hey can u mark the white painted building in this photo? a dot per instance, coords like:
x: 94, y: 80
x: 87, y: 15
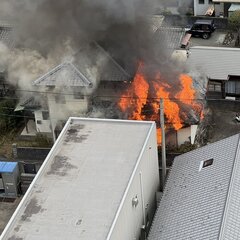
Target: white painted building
x: 201, y: 7
x: 65, y: 90
x: 98, y: 182
x: 187, y: 134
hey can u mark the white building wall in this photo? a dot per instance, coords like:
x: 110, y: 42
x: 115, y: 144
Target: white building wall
x: 187, y: 134
x: 62, y: 111
x: 200, y: 9
x: 42, y: 126
x: 130, y: 219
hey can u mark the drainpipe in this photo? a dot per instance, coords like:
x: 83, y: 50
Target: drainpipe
x: 163, y: 142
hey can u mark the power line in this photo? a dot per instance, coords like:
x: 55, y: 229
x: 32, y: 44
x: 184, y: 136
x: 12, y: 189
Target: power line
x: 115, y: 97
x: 24, y: 116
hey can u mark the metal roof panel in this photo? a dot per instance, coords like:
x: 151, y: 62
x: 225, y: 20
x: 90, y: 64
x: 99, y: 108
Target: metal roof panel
x: 215, y: 62
x: 7, y: 167
x: 194, y: 198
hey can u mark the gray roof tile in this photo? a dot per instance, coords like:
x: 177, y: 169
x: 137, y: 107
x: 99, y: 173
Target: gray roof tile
x: 92, y: 58
x: 170, y: 36
x: 65, y: 74
x: 194, y: 198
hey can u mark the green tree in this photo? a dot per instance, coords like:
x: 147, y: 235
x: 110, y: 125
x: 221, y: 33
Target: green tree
x: 234, y: 24
x: 8, y: 119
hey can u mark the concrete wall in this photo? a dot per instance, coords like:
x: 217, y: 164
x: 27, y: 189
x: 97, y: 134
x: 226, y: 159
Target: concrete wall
x: 30, y: 153
x: 143, y: 187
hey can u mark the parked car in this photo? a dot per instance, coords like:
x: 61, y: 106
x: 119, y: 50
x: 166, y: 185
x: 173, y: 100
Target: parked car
x: 202, y: 28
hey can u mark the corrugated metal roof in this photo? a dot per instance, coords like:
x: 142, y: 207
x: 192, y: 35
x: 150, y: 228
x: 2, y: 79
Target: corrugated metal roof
x: 7, y: 167
x: 195, y: 199
x: 65, y: 74
x: 215, y: 62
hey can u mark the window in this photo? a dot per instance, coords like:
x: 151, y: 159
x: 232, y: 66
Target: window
x: 60, y: 99
x: 210, y: 1
x: 206, y: 163
x: 196, y: 27
x: 45, y: 115
x: 200, y: 1
x: 214, y: 87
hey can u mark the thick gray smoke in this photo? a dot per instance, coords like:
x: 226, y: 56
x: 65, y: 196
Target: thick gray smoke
x: 120, y: 25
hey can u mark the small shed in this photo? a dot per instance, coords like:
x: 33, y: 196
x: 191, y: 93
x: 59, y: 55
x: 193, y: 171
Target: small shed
x: 9, y: 179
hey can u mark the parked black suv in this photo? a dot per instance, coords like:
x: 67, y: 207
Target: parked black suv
x: 203, y: 28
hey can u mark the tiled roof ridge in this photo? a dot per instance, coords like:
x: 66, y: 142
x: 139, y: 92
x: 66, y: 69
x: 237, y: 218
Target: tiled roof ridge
x: 57, y: 68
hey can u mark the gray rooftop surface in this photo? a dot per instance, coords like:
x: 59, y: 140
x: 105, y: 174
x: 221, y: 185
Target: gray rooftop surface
x: 202, y: 203
x: 215, y: 62
x: 170, y: 36
x: 6, y: 35
x: 78, y: 190
x: 98, y: 65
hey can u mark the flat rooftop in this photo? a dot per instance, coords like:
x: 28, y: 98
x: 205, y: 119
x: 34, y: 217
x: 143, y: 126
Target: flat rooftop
x: 79, y: 188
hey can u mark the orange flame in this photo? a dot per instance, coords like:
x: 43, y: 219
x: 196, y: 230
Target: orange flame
x: 135, y: 97
x: 141, y: 94
x: 171, y: 109
x: 187, y: 94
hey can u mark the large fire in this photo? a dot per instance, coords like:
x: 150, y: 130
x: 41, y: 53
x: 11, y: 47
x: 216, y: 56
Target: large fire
x: 141, y: 100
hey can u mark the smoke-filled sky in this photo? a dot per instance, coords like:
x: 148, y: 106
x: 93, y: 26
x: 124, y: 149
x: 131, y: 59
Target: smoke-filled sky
x: 51, y: 30
x: 43, y: 24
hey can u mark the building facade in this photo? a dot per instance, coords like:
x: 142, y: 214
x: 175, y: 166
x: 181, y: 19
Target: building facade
x: 98, y: 182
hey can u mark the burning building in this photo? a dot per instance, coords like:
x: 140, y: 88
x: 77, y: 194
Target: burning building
x: 141, y: 100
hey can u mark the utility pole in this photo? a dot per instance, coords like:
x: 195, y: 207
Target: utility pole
x: 163, y: 142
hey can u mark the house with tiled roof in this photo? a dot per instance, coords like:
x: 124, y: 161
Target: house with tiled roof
x: 91, y: 74
x: 221, y: 66
x: 65, y: 90
x: 201, y: 199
